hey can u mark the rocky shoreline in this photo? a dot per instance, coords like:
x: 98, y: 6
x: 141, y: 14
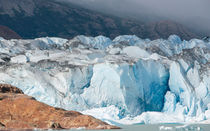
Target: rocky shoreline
x: 19, y: 111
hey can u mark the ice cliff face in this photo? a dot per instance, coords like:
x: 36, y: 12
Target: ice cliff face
x: 127, y: 79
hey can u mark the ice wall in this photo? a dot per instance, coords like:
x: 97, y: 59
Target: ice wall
x: 136, y: 77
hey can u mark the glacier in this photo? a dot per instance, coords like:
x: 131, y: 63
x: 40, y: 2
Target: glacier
x: 127, y: 80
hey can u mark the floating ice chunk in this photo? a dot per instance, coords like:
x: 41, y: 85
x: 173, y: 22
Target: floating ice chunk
x: 165, y: 128
x: 188, y: 127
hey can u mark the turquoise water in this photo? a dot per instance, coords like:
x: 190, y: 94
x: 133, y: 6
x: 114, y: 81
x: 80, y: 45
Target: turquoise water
x: 160, y: 127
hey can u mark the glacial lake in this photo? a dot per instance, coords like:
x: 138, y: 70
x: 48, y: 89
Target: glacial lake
x: 158, y: 127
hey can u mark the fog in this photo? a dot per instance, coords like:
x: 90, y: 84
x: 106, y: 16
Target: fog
x: 194, y: 14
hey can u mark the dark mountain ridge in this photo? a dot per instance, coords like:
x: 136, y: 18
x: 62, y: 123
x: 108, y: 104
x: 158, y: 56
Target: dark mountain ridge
x: 40, y: 18
x: 7, y: 33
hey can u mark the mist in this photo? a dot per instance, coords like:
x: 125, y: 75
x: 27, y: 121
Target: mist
x: 195, y: 14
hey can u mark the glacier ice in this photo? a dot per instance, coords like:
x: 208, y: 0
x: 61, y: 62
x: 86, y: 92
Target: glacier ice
x: 1, y: 38
x: 99, y: 42
x: 170, y: 103
x: 122, y: 81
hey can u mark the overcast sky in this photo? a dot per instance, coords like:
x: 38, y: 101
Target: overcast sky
x: 194, y: 13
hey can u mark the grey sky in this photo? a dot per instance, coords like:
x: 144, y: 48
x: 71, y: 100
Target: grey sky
x: 193, y: 13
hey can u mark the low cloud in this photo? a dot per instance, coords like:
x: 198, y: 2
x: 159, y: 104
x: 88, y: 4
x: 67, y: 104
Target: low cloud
x: 192, y: 13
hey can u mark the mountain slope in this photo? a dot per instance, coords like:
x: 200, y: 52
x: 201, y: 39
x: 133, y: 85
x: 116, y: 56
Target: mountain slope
x: 162, y: 29
x: 7, y: 33
x: 38, y: 18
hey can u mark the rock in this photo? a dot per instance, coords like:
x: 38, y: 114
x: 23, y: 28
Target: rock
x: 19, y: 111
x: 6, y: 88
x: 2, y: 125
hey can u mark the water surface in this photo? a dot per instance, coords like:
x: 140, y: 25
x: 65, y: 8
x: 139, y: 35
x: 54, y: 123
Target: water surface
x: 159, y: 127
